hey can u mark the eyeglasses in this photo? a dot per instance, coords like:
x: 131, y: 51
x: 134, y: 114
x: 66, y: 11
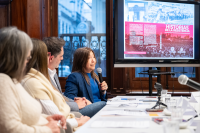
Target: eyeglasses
x: 49, y: 53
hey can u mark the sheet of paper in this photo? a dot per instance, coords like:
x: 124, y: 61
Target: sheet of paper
x: 198, y: 128
x: 180, y: 101
x: 184, y: 105
x: 123, y: 113
x: 190, y: 122
x: 144, y: 105
x: 149, y: 99
x: 193, y: 99
x: 116, y: 102
x: 191, y: 113
x: 191, y: 130
x: 121, y: 124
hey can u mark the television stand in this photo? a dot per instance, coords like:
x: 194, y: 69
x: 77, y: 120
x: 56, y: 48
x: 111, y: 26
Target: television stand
x: 158, y: 73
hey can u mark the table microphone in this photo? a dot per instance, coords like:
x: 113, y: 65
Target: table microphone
x: 99, y: 71
x: 184, y: 80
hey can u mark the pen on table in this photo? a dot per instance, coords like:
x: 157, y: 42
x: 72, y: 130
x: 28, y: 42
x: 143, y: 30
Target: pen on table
x: 192, y: 117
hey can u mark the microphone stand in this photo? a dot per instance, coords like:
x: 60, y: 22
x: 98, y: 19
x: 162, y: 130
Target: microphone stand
x: 158, y: 103
x: 159, y: 88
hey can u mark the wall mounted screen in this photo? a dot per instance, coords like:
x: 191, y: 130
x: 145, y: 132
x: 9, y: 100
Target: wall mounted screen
x: 156, y: 32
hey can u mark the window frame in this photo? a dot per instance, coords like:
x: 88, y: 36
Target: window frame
x: 54, y: 32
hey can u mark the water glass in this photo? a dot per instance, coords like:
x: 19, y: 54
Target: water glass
x: 171, y: 104
x: 177, y: 114
x: 171, y: 126
x: 167, y: 97
x: 164, y: 92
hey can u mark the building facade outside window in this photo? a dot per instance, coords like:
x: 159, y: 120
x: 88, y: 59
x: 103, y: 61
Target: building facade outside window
x: 82, y: 23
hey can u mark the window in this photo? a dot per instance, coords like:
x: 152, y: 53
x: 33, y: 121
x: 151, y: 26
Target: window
x: 141, y: 70
x: 86, y: 20
x: 188, y: 71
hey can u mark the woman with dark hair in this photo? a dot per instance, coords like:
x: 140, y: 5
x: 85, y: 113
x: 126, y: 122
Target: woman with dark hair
x: 20, y: 113
x: 38, y: 85
x: 83, y: 81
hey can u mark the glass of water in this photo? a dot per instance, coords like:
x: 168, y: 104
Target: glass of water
x: 177, y: 114
x: 171, y: 104
x: 167, y: 97
x: 171, y: 126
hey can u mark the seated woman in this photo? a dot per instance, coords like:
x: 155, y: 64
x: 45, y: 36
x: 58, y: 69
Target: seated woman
x: 83, y: 81
x: 19, y: 112
x: 37, y: 83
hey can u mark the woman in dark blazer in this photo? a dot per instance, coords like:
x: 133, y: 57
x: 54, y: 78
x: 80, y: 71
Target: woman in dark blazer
x: 83, y: 81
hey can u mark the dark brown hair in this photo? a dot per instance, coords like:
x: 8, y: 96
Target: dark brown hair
x: 39, y: 57
x: 81, y: 56
x: 54, y: 45
x: 14, y: 48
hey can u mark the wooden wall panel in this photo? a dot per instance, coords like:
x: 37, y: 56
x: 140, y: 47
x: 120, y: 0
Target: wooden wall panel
x: 3, y: 16
x: 54, y: 22
x: 32, y: 17
x: 118, y: 76
x: 45, y: 18
x: 19, y: 14
x: 34, y: 28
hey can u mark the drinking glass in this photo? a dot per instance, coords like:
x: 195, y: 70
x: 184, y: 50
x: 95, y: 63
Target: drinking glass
x: 164, y: 92
x: 171, y: 126
x: 171, y: 104
x: 177, y: 114
x: 167, y: 97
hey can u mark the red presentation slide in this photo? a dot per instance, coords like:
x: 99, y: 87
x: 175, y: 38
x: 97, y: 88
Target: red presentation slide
x: 157, y: 40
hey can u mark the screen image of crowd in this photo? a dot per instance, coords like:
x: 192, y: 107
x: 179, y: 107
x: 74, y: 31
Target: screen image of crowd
x: 159, y: 12
x: 181, y: 48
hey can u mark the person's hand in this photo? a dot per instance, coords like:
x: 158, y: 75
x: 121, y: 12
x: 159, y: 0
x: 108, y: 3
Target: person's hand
x: 82, y: 120
x: 81, y: 102
x: 57, y: 118
x: 103, y: 86
x: 87, y: 101
x: 53, y: 125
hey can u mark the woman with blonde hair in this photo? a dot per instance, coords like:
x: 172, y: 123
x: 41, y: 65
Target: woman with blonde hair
x: 20, y: 113
x: 83, y: 81
x: 38, y: 85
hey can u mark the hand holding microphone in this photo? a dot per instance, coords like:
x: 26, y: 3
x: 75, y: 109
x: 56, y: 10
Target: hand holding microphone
x: 103, y: 84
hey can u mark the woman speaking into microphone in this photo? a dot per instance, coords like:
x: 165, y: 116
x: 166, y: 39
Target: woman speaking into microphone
x: 83, y: 81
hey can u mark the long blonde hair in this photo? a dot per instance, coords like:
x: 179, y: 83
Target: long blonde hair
x: 39, y: 58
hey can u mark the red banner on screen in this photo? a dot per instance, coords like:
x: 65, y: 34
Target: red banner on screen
x: 158, y: 40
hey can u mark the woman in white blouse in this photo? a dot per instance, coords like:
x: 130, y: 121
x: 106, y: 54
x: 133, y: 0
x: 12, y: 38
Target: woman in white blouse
x: 19, y: 112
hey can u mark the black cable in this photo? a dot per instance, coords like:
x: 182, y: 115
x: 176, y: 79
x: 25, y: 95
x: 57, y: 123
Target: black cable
x: 141, y: 84
x: 173, y: 85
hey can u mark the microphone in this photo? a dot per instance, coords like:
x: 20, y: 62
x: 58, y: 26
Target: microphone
x: 184, y: 80
x: 99, y: 71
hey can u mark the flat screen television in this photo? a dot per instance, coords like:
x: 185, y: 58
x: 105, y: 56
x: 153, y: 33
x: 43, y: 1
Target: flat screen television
x: 151, y: 33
